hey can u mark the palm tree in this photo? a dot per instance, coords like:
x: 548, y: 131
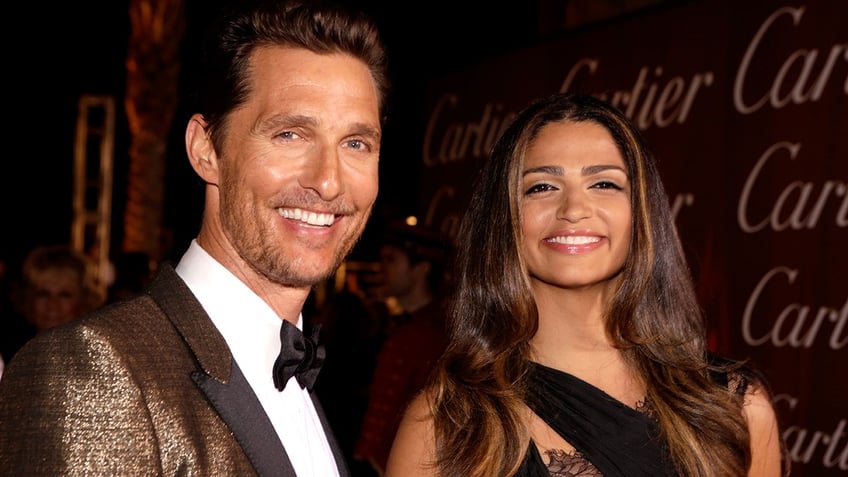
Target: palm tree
x: 153, y: 69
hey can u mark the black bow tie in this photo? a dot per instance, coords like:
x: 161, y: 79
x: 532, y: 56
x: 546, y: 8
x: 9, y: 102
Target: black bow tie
x: 300, y: 356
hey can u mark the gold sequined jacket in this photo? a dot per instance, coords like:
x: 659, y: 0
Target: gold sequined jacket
x: 142, y: 387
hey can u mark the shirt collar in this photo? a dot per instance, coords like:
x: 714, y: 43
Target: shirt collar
x: 248, y: 324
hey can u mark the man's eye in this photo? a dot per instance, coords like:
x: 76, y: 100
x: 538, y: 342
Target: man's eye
x: 288, y: 135
x: 356, y: 144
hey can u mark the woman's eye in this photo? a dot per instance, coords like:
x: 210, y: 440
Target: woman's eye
x: 536, y: 188
x: 606, y: 185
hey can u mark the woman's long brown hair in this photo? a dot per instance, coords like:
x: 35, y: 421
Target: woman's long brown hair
x: 654, y: 318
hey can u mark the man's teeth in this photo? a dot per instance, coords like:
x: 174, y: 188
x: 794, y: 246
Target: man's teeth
x: 310, y: 218
x: 574, y: 240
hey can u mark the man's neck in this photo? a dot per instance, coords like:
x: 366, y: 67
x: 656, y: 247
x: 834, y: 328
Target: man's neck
x: 415, y: 300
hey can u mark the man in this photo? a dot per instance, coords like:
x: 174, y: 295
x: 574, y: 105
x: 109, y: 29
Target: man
x: 178, y: 381
x: 412, y: 273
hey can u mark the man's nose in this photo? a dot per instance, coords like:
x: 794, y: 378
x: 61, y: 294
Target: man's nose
x: 322, y: 173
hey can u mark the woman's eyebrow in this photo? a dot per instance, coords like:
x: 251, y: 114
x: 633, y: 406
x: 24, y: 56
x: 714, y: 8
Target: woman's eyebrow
x: 586, y: 171
x: 589, y: 170
x: 553, y: 170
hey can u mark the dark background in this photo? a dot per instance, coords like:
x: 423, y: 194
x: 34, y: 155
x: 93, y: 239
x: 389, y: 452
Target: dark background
x: 53, y: 54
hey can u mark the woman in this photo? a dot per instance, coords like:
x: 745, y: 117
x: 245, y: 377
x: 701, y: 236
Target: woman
x: 577, y: 344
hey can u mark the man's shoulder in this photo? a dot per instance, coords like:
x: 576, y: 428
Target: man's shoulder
x: 131, y: 319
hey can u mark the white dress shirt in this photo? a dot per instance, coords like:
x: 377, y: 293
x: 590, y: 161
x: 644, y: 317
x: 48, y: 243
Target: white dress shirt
x: 252, y: 331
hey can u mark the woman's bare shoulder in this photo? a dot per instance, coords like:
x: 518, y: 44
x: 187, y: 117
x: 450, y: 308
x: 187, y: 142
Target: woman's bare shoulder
x: 766, y: 448
x: 413, y: 451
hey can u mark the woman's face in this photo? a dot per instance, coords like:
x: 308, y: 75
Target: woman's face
x: 575, y: 207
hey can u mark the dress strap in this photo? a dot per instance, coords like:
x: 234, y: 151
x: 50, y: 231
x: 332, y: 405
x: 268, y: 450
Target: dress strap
x: 617, y: 439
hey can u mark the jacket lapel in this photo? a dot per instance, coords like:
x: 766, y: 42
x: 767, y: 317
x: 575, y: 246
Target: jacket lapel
x: 240, y: 409
x: 334, y: 445
x: 220, y: 379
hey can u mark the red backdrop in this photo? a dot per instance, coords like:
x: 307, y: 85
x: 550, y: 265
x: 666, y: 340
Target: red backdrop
x: 744, y: 104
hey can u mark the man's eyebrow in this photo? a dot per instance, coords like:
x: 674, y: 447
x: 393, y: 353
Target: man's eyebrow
x: 367, y: 130
x: 287, y: 120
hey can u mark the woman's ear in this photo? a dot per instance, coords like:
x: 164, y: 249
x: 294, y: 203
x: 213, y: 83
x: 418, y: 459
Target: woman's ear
x: 200, y: 150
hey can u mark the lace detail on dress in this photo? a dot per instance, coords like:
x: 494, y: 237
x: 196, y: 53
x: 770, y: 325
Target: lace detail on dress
x: 646, y: 408
x: 737, y: 383
x: 563, y: 464
x: 574, y: 464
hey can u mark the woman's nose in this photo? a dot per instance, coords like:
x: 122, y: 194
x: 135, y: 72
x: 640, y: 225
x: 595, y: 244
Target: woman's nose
x: 574, y: 207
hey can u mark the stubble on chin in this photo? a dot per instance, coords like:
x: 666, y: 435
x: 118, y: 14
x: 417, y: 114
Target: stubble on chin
x: 292, y: 269
x: 287, y: 263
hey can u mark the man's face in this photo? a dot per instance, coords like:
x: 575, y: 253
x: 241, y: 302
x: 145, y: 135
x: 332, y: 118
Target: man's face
x: 298, y: 166
x: 396, y: 272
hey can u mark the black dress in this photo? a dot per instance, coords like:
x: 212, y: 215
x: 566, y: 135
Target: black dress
x: 611, y: 438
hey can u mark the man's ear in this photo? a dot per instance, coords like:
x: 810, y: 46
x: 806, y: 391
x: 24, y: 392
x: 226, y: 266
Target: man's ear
x: 200, y: 150
x: 422, y: 269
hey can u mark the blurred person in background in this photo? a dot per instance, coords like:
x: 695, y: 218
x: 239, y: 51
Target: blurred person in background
x: 132, y: 273
x: 413, y: 279
x: 351, y: 332
x: 56, y: 285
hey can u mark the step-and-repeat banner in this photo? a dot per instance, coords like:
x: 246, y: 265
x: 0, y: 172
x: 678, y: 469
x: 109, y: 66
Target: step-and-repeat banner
x: 745, y: 105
